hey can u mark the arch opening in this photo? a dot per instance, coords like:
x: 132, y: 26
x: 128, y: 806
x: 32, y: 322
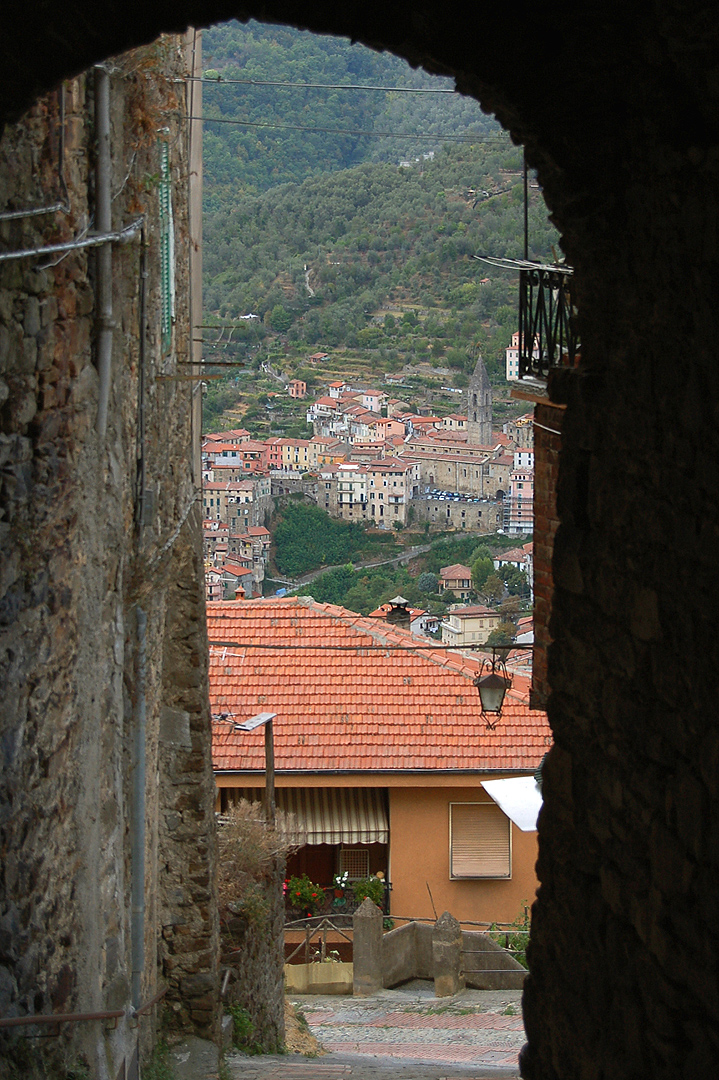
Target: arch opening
x: 630, y: 822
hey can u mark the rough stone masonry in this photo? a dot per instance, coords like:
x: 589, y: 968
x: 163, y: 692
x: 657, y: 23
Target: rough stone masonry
x: 94, y: 530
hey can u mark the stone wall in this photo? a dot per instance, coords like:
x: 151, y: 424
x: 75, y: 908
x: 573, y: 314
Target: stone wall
x: 474, y: 516
x: 254, y: 954
x: 94, y: 529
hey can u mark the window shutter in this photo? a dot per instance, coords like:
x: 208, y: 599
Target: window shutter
x: 480, y: 841
x: 354, y: 862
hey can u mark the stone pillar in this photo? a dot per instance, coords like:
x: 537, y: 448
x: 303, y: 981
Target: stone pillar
x: 367, y: 949
x: 446, y: 956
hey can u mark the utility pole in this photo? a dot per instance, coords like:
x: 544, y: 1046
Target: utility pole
x: 265, y: 720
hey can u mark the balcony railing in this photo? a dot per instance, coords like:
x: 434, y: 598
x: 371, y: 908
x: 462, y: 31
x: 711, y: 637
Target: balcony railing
x: 547, y: 316
x: 338, y: 901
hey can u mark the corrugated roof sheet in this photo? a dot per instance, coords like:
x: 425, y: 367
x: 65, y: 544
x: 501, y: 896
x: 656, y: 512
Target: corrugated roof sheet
x: 346, y: 703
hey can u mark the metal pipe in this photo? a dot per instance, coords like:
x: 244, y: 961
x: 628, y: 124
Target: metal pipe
x: 14, y: 215
x: 120, y: 236
x: 149, y: 1005
x: 270, y: 809
x: 137, y: 927
x: 59, y: 1018
x: 141, y: 455
x: 103, y: 222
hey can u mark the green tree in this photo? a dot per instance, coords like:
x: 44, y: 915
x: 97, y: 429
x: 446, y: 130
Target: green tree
x: 509, y: 609
x: 280, y: 319
x: 515, y: 580
x: 503, y: 634
x: 481, y: 570
x: 493, y: 587
x: 427, y: 582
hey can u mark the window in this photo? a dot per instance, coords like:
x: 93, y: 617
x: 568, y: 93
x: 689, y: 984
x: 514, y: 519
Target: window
x: 480, y: 841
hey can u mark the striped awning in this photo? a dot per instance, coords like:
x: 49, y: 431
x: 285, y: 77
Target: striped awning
x: 330, y: 815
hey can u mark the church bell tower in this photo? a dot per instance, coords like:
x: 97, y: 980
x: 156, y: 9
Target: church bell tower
x: 479, y: 407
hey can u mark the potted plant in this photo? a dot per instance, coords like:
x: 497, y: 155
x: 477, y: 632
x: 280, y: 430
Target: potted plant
x: 339, y: 884
x: 305, y: 895
x: 373, y: 887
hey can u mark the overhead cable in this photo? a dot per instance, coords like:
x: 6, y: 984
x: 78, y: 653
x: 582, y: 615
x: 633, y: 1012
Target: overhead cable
x: 324, y: 647
x: 323, y: 86
x: 350, y: 131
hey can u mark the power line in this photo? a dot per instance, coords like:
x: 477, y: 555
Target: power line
x: 322, y: 86
x: 325, y: 647
x: 352, y: 131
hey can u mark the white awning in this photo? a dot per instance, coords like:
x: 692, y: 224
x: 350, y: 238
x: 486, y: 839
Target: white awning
x: 519, y: 798
x: 330, y: 815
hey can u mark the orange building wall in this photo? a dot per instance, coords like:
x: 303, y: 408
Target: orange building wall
x: 419, y: 854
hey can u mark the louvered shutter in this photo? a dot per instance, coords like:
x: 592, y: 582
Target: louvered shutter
x: 480, y: 841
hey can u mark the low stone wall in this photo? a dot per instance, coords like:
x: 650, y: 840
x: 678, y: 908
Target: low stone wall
x: 254, y: 954
x: 487, y: 966
x: 332, y: 978
x: 409, y: 952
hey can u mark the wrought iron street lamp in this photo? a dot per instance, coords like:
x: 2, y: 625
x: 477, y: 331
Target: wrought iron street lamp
x: 492, y: 688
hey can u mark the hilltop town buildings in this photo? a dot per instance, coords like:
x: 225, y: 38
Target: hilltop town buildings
x: 388, y: 470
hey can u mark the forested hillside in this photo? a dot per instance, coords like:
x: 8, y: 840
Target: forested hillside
x: 357, y: 245
x: 287, y: 133
x: 319, y: 259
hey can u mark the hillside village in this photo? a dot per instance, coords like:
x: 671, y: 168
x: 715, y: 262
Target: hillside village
x: 371, y: 460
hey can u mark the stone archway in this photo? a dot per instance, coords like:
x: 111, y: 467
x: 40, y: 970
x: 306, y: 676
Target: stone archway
x: 618, y: 110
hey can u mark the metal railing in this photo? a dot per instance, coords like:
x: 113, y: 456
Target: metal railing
x: 548, y: 335
x: 319, y: 931
x: 48, y: 1019
x: 346, y: 903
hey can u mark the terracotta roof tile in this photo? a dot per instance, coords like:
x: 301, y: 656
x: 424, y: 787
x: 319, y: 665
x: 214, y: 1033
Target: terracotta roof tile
x: 345, y: 703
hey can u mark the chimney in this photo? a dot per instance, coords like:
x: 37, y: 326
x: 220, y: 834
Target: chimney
x: 398, y: 614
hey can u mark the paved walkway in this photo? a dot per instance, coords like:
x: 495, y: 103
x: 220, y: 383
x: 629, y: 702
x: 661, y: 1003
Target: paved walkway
x: 404, y: 1034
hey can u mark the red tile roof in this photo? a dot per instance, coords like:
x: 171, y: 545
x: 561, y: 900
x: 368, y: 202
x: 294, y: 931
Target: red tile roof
x: 345, y: 702
x: 456, y: 570
x: 515, y: 554
x: 235, y: 569
x: 472, y: 611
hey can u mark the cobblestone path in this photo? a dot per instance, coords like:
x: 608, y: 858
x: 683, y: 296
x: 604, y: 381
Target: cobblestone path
x: 402, y: 1034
